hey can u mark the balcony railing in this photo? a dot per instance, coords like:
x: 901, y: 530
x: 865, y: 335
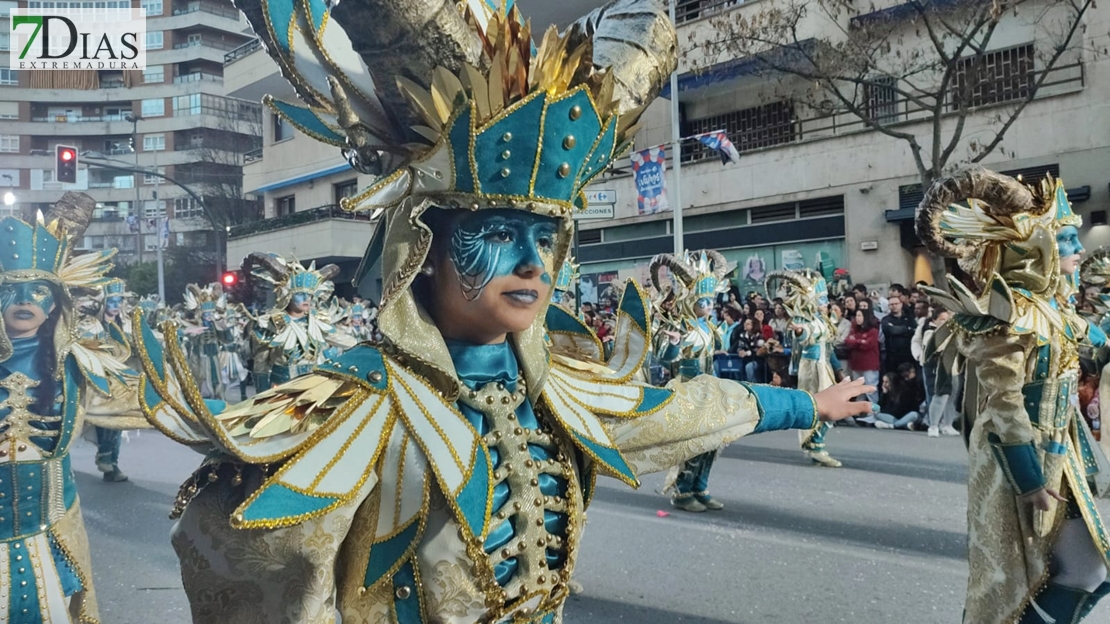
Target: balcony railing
x: 207, y: 43
x: 76, y: 118
x: 241, y: 51
x: 254, y: 155
x: 690, y: 10
x: 197, y: 77
x: 321, y: 213
x: 207, y: 8
x: 821, y: 125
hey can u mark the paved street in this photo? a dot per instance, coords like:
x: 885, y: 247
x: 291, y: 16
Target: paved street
x: 880, y: 541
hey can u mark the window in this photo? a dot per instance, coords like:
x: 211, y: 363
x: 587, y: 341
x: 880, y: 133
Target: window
x: 282, y: 129
x: 123, y: 182
x: 154, y: 143
x: 345, y: 189
x: 193, y: 39
x: 154, y: 73
x: 751, y: 128
x: 116, y: 146
x: 154, y: 40
x: 154, y: 209
x: 153, y: 7
x: 115, y: 113
x: 154, y: 108
x: 151, y: 179
x: 994, y: 78
x: 187, y: 105
x: 8, y: 77
x: 5, y: 41
x: 9, y: 110
x: 882, y: 100
x: 186, y: 208
x: 285, y: 205
x: 9, y: 143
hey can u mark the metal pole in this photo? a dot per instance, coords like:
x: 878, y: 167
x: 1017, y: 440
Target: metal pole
x: 138, y: 212
x: 676, y: 154
x: 159, y: 224
x: 577, y: 282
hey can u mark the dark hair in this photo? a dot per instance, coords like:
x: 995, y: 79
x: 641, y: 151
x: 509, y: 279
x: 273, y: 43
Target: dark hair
x: 733, y: 314
x: 46, y: 364
x: 760, y: 311
x: 906, y: 367
x: 897, y: 386
x: 897, y: 287
x: 937, y: 311
x: 860, y: 288
x: 869, y: 321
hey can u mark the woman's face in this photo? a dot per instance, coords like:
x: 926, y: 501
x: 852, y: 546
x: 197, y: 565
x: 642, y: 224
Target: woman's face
x: 495, y: 274
x: 1071, y: 250
x: 759, y: 316
x: 886, y: 383
x: 780, y: 311
x: 864, y: 304
x: 301, y: 303
x: 850, y: 304
x: 26, y: 306
x: 837, y: 312
x: 749, y: 326
x: 859, y: 318
x: 112, y: 305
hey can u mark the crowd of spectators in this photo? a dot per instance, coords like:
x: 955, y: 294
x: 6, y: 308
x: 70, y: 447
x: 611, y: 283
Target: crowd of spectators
x: 879, y: 338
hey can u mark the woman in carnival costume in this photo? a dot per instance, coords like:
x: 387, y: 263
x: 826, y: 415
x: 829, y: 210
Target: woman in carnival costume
x: 298, y: 333
x: 442, y: 475
x: 688, y: 352
x: 109, y: 323
x: 205, y: 331
x: 47, y: 374
x: 806, y: 299
x: 1037, y: 546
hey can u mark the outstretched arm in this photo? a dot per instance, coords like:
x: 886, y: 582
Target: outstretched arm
x: 708, y: 413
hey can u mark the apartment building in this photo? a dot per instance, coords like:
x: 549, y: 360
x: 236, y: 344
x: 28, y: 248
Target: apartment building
x: 815, y: 185
x: 173, y: 117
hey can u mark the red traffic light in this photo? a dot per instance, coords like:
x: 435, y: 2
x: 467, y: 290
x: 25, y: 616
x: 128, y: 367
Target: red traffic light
x: 230, y: 278
x: 65, y: 164
x: 67, y: 154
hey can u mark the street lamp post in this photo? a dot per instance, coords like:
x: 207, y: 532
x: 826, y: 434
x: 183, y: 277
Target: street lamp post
x: 138, y: 212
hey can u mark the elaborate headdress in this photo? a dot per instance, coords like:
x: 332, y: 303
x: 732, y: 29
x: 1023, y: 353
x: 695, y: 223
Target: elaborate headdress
x: 289, y: 278
x: 1007, y: 229
x: 210, y: 298
x: 799, y: 290
x: 698, y: 275
x: 1095, y: 271
x: 456, y: 107
x: 44, y: 251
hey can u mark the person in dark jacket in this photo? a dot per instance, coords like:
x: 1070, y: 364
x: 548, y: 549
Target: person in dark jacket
x: 898, y: 329
x: 898, y: 405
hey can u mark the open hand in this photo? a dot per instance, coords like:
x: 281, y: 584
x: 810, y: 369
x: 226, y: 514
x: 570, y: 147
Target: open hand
x: 1042, y: 498
x: 835, y: 402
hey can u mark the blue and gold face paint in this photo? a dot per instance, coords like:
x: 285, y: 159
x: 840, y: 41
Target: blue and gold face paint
x: 38, y: 293
x: 300, y: 299
x: 113, y: 304
x: 1067, y: 241
x: 497, y: 243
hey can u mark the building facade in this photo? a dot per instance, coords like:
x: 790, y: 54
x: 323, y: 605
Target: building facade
x: 815, y: 185
x: 173, y: 117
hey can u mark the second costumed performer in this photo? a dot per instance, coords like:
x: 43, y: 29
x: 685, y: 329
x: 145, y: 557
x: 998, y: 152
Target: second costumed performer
x: 442, y: 475
x: 1037, y: 547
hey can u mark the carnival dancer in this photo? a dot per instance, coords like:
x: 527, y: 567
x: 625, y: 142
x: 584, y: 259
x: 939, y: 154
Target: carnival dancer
x: 1037, y: 546
x: 806, y: 299
x: 298, y: 333
x: 108, y: 322
x: 442, y: 475
x: 1094, y: 279
x: 205, y: 330
x: 698, y: 278
x: 45, y: 373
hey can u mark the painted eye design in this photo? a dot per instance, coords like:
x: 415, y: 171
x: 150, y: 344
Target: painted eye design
x: 500, y: 236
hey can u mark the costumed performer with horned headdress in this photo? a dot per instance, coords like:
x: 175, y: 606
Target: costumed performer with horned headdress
x: 442, y: 475
x: 1037, y: 546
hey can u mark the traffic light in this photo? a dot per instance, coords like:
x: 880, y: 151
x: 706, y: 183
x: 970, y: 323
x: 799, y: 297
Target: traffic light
x: 230, y: 279
x: 65, y: 161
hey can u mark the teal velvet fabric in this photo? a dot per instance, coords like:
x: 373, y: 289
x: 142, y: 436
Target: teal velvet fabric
x: 783, y: 408
x: 477, y: 366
